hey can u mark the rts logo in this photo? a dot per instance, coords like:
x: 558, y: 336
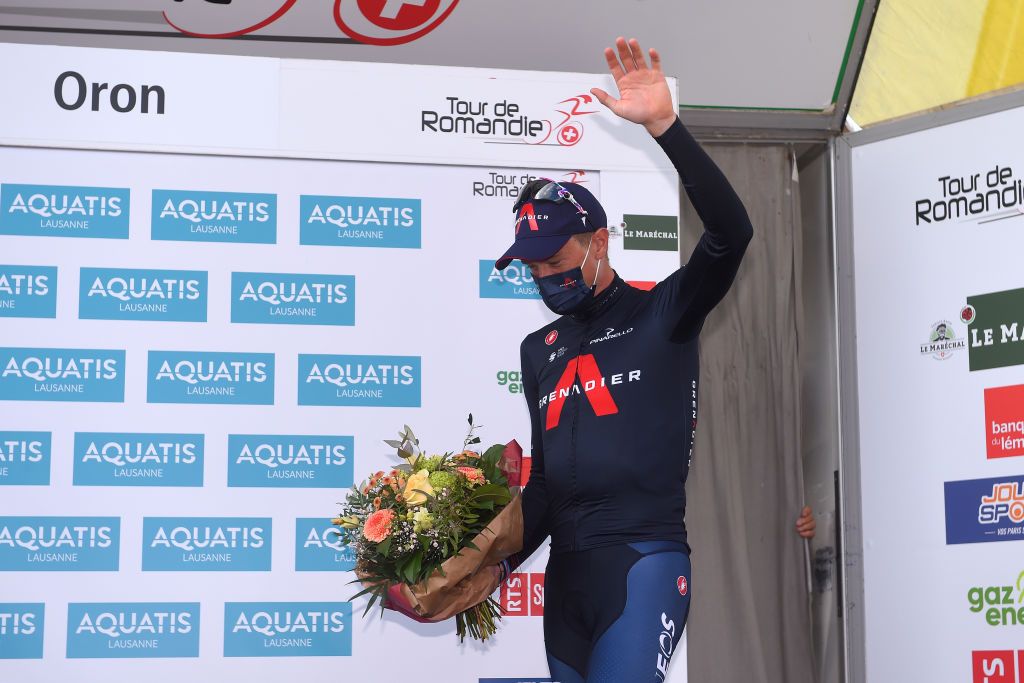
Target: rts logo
x: 1004, y: 421
x: 997, y: 666
x: 515, y: 282
x: 522, y: 595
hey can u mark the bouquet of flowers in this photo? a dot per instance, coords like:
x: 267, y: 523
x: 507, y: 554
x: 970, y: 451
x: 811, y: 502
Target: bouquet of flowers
x: 425, y: 533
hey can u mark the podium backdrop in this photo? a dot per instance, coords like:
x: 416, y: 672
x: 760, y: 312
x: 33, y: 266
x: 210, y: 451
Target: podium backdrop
x: 223, y: 282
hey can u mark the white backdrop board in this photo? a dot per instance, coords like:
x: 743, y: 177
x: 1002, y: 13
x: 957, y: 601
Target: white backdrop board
x: 210, y: 318
x: 938, y: 232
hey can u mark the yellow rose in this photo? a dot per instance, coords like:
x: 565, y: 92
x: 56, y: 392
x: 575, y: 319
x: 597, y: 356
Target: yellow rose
x: 417, y: 483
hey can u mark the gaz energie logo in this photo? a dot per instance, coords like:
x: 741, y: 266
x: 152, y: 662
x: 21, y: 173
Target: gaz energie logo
x: 61, y: 375
x: 28, y: 292
x: 293, y: 461
x: 1000, y: 605
x: 359, y: 221
x: 293, y: 299
x: 206, y: 543
x: 100, y: 630
x: 199, y: 216
x: 211, y: 377
x: 25, y: 458
x: 133, y: 294
x: 59, y: 543
x: 127, y: 459
x: 63, y: 211
x: 287, y: 629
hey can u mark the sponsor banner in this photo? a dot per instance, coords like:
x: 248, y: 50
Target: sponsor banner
x: 287, y: 629
x: 996, y: 329
x: 1004, y: 421
x: 984, y: 510
x: 510, y: 380
x: 202, y: 216
x: 63, y: 211
x: 62, y: 375
x: 119, y: 630
x: 360, y: 221
x: 210, y: 377
x: 942, y: 341
x: 514, y: 282
x: 318, y: 547
x: 206, y: 544
x: 59, y: 543
x: 21, y: 630
x: 28, y: 292
x: 650, y: 233
x: 138, y: 294
x: 293, y: 299
x: 999, y: 605
x: 25, y: 458
x: 329, y: 380
x: 293, y: 461
x: 126, y: 459
x: 522, y: 595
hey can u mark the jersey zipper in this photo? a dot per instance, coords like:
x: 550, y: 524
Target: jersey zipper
x: 572, y: 437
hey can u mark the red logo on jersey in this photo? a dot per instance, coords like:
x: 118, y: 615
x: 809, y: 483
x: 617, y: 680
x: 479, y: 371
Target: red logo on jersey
x: 551, y: 337
x: 593, y: 386
x: 522, y: 595
x: 682, y: 585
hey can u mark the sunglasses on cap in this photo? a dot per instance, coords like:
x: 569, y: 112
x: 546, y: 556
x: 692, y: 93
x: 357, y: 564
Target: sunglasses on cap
x: 551, y: 192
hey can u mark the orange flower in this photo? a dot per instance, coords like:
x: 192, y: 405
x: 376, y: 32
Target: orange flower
x: 376, y: 503
x: 473, y: 474
x: 378, y: 525
x: 470, y: 455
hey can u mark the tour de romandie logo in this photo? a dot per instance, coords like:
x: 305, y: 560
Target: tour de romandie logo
x: 942, y: 341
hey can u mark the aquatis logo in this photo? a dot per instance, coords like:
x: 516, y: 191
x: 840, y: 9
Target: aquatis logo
x: 197, y: 216
x: 63, y: 211
x: 206, y: 544
x: 25, y: 458
x: 985, y: 510
x: 28, y: 292
x: 287, y: 629
x: 61, y: 375
x: 359, y: 222
x: 328, y: 380
x: 996, y: 329
x: 59, y: 543
x: 124, y: 459
x: 116, y: 630
x: 515, y: 282
x: 133, y: 294
x: 290, y: 461
x: 21, y: 630
x: 318, y: 547
x: 293, y: 299
x: 210, y: 377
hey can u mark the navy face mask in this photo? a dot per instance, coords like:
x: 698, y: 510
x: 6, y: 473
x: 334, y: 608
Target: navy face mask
x: 568, y: 292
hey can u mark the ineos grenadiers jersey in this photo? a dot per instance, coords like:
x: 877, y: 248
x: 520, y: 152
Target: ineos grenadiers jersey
x: 612, y: 390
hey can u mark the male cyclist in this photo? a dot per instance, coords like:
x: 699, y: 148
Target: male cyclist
x: 611, y: 387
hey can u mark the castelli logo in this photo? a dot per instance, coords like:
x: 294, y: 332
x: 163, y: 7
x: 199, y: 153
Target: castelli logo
x: 375, y: 22
x: 551, y: 337
x: 682, y: 585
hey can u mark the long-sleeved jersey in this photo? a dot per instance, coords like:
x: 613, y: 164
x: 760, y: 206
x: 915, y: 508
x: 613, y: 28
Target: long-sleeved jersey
x: 612, y: 390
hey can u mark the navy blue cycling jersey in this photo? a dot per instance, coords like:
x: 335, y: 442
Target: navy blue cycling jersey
x: 612, y: 390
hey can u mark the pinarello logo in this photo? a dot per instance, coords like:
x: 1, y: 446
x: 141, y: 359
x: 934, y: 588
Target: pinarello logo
x: 682, y: 585
x: 552, y: 336
x: 967, y: 315
x: 390, y: 22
